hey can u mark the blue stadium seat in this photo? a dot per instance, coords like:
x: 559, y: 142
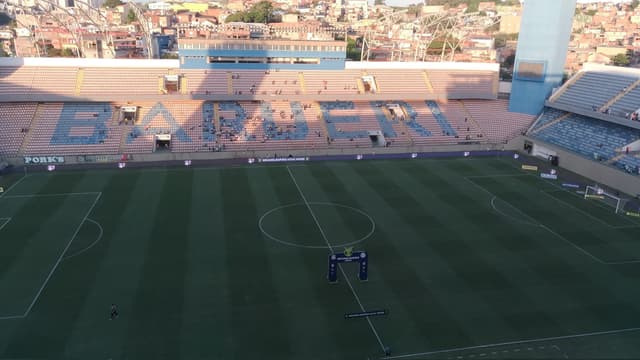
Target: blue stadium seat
x: 589, y: 137
x: 440, y: 118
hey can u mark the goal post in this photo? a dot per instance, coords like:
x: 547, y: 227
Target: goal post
x: 599, y: 194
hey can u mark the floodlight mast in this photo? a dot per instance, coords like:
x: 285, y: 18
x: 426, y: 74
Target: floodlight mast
x: 145, y: 25
x: 452, y: 29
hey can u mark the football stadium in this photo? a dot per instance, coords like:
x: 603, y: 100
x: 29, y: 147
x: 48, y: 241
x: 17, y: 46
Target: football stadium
x: 268, y: 199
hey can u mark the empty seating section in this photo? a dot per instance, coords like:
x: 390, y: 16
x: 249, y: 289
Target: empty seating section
x: 187, y: 116
x: 334, y: 82
x: 393, y: 82
x: 495, y: 120
x: 182, y: 120
x: 442, y: 120
x: 594, y: 89
x: 55, y: 80
x: 628, y: 103
x: 589, y: 137
x: 118, y: 81
x: 460, y: 118
x: 17, y: 80
x: 462, y: 84
x: 140, y: 138
x: 200, y: 82
x: 548, y: 115
x: 266, y: 82
x: 74, y: 129
x: 15, y: 119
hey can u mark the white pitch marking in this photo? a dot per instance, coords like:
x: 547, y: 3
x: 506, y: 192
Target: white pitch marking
x: 51, y: 195
x: 92, y: 244
x: 5, y: 223
x: 324, y: 236
x: 11, y: 317
x: 575, y: 208
x: 4, y: 194
x: 55, y: 266
x: 527, y: 341
x: 574, y: 245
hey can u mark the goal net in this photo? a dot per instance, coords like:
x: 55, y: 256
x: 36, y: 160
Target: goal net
x: 599, y: 194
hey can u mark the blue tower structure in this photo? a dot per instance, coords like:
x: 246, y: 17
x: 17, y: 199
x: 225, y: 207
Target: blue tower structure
x: 541, y: 53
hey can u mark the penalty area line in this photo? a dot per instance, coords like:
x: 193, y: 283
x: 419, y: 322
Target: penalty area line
x: 61, y: 256
x: 4, y: 194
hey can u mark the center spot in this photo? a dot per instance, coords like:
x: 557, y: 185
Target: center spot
x: 294, y: 225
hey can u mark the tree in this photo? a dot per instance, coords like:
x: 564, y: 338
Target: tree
x: 620, y: 60
x: 353, y: 52
x: 634, y: 4
x: 379, y: 2
x: 261, y: 12
x: 112, y: 3
x: 67, y: 53
x: 131, y: 17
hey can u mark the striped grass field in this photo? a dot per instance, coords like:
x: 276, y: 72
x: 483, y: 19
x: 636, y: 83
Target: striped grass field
x: 472, y: 258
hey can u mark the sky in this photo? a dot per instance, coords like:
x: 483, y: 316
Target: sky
x: 409, y: 2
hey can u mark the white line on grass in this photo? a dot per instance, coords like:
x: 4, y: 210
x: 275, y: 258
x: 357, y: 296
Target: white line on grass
x: 576, y: 208
x: 516, y: 342
x: 7, y: 219
x: 577, y: 247
x: 51, y: 195
x: 55, y: 266
x: 4, y: 194
x: 353, y: 291
x: 11, y: 317
x: 560, y: 188
x: 92, y: 244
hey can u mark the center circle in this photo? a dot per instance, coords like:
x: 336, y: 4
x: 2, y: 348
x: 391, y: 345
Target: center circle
x: 264, y: 219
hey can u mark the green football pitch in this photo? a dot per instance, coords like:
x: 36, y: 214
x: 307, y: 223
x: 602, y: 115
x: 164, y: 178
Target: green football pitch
x: 472, y: 258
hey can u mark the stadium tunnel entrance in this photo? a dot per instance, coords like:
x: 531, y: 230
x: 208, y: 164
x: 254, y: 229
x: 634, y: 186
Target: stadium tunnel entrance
x: 162, y: 142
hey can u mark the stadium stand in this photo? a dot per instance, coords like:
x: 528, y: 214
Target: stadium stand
x: 116, y: 81
x: 15, y: 123
x: 593, y: 89
x: 333, y: 82
x: 201, y: 82
x: 494, y: 120
x: 547, y: 117
x: 455, y: 84
x: 74, y: 129
x: 74, y: 123
x: 628, y: 103
x: 592, y: 138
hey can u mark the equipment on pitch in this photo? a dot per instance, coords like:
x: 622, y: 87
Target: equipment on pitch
x: 348, y: 256
x: 599, y: 194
